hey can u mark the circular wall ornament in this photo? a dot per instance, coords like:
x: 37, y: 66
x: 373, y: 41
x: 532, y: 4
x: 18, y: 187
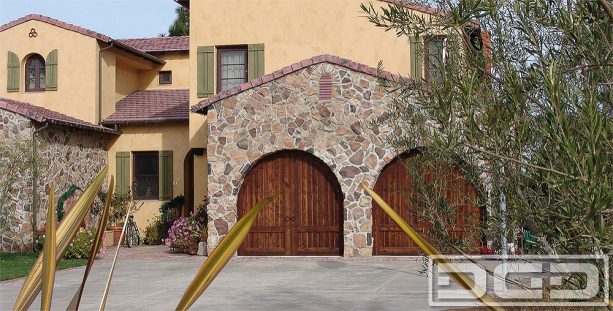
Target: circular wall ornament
x: 33, y: 33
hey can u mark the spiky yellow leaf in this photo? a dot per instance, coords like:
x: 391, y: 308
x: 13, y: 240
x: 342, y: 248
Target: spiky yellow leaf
x: 49, y: 258
x: 105, y: 294
x: 65, y: 233
x: 221, y: 255
x: 76, y: 299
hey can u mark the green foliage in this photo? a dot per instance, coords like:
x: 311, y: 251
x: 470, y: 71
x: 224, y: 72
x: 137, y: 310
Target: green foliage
x: 170, y: 211
x: 180, y: 27
x: 120, y: 204
x: 79, y: 248
x: 16, y: 265
x: 529, y: 115
x: 62, y: 199
x: 154, y: 232
x: 16, y: 162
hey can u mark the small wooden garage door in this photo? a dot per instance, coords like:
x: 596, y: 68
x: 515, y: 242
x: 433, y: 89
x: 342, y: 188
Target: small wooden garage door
x: 394, y: 186
x: 305, y: 219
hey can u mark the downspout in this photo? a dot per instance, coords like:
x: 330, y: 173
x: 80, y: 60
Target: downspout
x: 34, y: 188
x: 100, y: 81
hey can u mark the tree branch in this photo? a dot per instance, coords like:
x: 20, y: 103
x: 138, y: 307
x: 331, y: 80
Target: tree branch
x: 524, y: 163
x: 606, y: 5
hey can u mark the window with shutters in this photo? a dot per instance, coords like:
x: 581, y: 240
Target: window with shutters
x: 435, y: 54
x: 35, y: 73
x: 146, y: 175
x: 231, y: 67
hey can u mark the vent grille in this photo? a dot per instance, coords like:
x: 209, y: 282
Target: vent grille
x: 325, y: 87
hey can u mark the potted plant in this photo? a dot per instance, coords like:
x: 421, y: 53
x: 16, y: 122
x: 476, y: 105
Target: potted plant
x: 120, y: 203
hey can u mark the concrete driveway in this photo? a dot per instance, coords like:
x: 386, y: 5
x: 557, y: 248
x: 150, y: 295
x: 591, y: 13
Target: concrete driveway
x: 150, y: 278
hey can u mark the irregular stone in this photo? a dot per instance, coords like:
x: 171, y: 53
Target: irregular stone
x: 221, y: 226
x: 357, y: 158
x: 349, y: 171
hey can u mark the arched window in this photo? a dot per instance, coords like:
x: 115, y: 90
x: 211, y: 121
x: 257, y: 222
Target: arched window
x: 35, y: 73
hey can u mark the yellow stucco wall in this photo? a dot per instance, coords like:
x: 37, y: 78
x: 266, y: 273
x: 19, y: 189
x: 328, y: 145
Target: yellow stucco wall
x: 154, y: 137
x: 126, y: 80
x: 291, y: 30
x: 177, y: 62
x: 76, y: 93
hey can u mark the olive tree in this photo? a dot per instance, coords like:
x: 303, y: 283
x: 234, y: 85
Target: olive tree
x: 520, y: 92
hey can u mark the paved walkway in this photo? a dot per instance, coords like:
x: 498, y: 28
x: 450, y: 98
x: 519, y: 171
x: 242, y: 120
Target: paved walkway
x: 151, y: 278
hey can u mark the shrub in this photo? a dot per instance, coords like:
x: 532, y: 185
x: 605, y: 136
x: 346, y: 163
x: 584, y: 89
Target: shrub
x: 79, y: 248
x: 186, y: 232
x: 169, y: 212
x: 154, y: 233
x: 120, y: 203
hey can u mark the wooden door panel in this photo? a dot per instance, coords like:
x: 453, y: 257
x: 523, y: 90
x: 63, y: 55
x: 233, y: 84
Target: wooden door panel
x: 305, y: 219
x: 394, y: 185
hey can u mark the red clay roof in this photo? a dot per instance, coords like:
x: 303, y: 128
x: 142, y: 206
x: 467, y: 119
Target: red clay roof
x: 83, y: 31
x: 57, y: 23
x: 45, y: 115
x: 152, y: 106
x: 325, y: 58
x: 414, y: 6
x: 159, y: 44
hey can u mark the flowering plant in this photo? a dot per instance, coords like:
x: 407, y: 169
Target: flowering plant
x: 186, y: 232
x: 80, y: 245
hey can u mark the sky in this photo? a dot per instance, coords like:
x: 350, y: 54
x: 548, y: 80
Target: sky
x: 117, y: 19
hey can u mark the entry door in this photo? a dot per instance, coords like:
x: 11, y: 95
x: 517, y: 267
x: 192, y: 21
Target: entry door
x: 305, y: 219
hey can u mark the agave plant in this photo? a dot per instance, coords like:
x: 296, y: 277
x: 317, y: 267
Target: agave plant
x: 61, y: 238
x: 221, y: 255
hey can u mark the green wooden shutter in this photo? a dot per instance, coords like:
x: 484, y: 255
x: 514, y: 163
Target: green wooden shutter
x: 206, y: 66
x: 12, y: 70
x: 122, y: 172
x: 417, y: 58
x: 165, y: 171
x: 51, y: 71
x: 255, y: 61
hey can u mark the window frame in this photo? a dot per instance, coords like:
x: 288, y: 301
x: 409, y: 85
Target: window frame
x: 231, y: 48
x: 154, y: 194
x: 37, y: 73
x: 160, y: 73
x: 426, y: 53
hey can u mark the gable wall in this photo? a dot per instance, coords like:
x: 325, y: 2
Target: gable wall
x: 76, y: 94
x: 287, y: 113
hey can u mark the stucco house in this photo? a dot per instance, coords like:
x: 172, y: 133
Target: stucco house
x: 252, y: 102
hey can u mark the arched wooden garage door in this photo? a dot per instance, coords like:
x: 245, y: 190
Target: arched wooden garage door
x: 395, y: 185
x: 306, y: 219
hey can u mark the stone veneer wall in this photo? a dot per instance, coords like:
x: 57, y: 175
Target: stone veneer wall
x: 17, y: 236
x: 287, y: 113
x: 69, y: 156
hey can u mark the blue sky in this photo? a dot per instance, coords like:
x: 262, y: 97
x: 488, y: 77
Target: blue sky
x: 115, y: 18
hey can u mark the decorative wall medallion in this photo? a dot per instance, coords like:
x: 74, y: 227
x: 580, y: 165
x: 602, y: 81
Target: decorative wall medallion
x: 33, y: 33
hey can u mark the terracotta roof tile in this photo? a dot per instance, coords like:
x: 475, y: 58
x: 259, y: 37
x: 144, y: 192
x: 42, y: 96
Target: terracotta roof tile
x: 325, y: 58
x: 414, y: 6
x: 151, y: 106
x: 57, y: 23
x: 159, y: 44
x: 45, y: 115
x: 83, y: 31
